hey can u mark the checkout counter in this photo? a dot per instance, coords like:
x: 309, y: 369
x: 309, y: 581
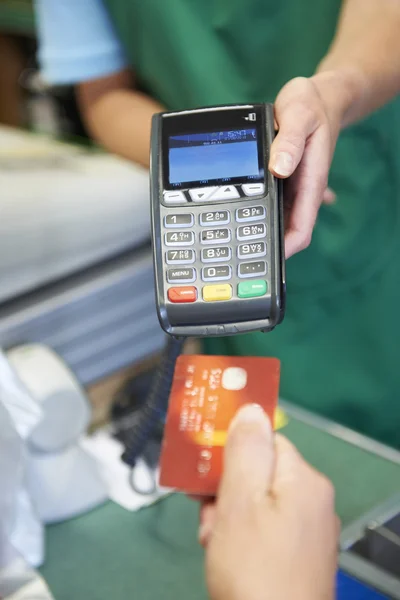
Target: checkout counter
x: 113, y: 554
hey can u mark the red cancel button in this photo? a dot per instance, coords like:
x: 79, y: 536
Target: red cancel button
x: 182, y: 294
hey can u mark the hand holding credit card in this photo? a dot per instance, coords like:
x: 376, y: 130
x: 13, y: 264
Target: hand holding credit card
x: 206, y: 393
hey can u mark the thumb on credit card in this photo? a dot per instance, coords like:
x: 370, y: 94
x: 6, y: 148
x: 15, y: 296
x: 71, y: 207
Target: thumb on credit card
x: 249, y: 458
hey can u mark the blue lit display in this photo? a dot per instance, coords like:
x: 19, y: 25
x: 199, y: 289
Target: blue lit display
x: 204, y: 157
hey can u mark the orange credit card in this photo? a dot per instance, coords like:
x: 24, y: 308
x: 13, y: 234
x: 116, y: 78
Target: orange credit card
x: 206, y: 393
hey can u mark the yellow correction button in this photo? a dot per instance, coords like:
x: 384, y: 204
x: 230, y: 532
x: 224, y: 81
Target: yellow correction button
x: 213, y: 293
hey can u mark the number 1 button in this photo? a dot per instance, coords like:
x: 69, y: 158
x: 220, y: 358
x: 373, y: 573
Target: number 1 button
x: 182, y: 220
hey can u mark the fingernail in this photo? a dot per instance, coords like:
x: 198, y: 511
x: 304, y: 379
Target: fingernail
x: 250, y: 413
x: 282, y: 164
x: 203, y: 534
x: 329, y: 196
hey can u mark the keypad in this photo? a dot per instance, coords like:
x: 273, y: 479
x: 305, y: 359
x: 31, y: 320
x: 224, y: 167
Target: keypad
x: 218, y: 217
x: 223, y: 269
x: 217, y: 273
x: 215, y: 236
x: 251, y: 232
x: 252, y: 269
x: 214, y: 255
x: 252, y: 250
x: 181, y: 275
x: 179, y: 238
x: 179, y: 220
x: 180, y: 257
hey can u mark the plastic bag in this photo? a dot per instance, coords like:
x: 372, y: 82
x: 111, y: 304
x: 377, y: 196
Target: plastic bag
x: 21, y: 533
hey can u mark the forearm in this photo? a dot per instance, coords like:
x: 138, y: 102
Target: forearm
x: 119, y: 117
x: 362, y: 68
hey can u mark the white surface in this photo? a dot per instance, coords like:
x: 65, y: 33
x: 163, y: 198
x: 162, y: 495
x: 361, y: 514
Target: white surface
x: 65, y: 484
x: 66, y: 412
x: 116, y: 474
x: 63, y: 208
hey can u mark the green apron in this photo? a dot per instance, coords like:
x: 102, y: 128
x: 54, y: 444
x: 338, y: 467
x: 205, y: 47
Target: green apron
x: 339, y: 344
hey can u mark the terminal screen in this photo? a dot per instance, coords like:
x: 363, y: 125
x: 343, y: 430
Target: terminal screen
x: 202, y: 158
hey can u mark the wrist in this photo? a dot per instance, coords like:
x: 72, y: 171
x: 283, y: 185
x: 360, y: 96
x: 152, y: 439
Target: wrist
x: 342, y: 91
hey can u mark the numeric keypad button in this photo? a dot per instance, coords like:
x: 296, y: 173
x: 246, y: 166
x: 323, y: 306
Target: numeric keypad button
x: 179, y: 238
x: 251, y: 213
x: 252, y: 250
x: 179, y: 220
x: 180, y: 257
x: 214, y: 255
x: 252, y: 269
x: 217, y: 273
x: 251, y: 232
x: 218, y: 217
x: 215, y: 236
x: 181, y: 275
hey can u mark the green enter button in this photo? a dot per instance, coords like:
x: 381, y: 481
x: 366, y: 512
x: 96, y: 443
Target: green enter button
x: 251, y: 289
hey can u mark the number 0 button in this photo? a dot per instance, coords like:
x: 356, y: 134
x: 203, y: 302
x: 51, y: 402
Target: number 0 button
x: 217, y: 273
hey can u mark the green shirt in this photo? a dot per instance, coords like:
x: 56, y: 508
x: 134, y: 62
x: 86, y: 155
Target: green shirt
x: 339, y: 343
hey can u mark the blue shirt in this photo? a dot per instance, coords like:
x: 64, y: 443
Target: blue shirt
x: 77, y: 41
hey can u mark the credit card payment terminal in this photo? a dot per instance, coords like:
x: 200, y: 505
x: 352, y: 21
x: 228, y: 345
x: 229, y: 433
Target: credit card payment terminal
x: 217, y: 221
